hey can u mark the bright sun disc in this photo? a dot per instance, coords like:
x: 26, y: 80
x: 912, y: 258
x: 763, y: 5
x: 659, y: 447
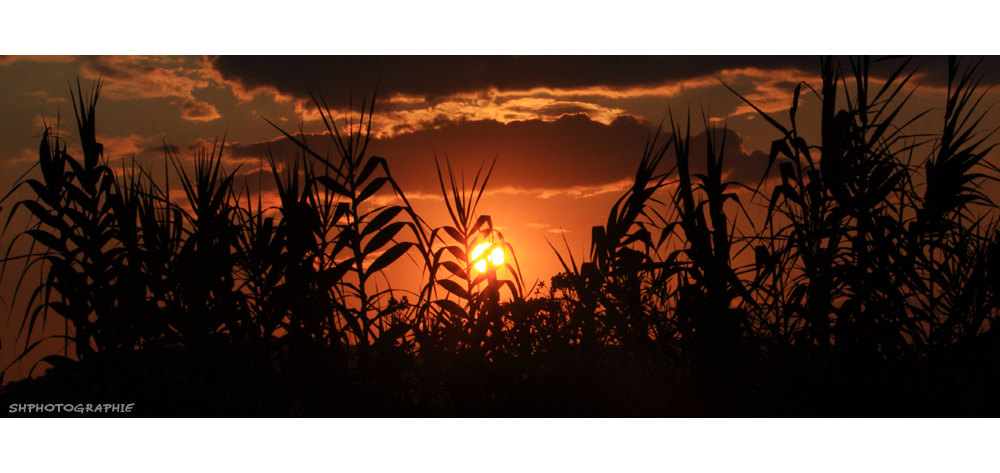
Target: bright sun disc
x: 496, y: 257
x: 478, y: 250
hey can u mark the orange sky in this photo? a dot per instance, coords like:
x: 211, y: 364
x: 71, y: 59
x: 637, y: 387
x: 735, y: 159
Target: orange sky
x: 567, y: 132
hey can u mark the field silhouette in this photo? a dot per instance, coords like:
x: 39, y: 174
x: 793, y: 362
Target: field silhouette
x: 872, y: 291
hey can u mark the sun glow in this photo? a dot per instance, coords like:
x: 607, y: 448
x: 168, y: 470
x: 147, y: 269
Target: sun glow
x: 494, y: 258
x: 478, y: 250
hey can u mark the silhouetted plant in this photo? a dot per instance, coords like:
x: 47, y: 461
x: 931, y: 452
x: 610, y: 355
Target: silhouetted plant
x: 357, y: 236
x: 71, y: 209
x: 473, y: 320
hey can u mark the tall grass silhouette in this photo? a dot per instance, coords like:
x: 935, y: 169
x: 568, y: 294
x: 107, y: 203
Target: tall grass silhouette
x: 871, y: 289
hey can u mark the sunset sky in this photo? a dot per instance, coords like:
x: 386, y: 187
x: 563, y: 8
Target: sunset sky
x: 567, y: 131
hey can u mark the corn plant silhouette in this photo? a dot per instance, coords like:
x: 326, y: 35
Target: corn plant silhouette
x: 855, y: 262
x: 355, y: 180
x: 69, y: 208
x: 474, y: 321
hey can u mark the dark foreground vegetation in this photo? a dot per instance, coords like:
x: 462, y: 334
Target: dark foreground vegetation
x: 872, y: 288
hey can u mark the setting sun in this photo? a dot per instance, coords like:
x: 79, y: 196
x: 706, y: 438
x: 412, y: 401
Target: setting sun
x: 495, y: 257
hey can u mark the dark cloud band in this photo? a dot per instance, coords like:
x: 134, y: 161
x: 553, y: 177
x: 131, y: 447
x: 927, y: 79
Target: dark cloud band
x: 437, y: 76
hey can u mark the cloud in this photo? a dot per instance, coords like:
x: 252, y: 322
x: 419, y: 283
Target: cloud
x: 41, y: 122
x: 45, y: 96
x: 24, y: 156
x: 572, y: 157
x: 575, y: 192
x: 738, y: 165
x: 388, y: 198
x: 579, y: 192
x: 139, y: 77
x: 425, y: 92
x: 538, y: 226
x: 242, y: 92
x: 466, y: 107
x: 118, y: 146
x: 433, y: 77
x: 199, y: 111
x: 419, y: 93
x: 769, y: 90
x: 573, y: 150
x: 6, y: 60
x: 199, y: 145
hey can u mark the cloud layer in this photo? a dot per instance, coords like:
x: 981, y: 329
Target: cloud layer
x: 573, y: 156
x: 441, y: 76
x: 139, y: 77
